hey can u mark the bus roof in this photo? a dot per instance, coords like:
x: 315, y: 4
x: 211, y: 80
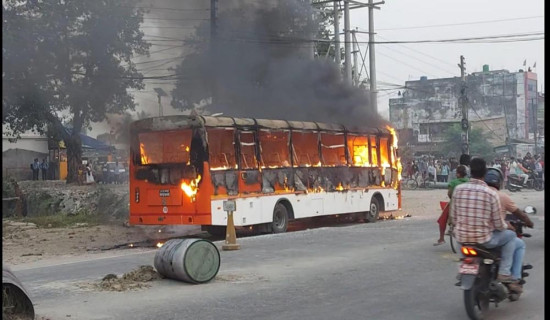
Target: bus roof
x: 194, y: 121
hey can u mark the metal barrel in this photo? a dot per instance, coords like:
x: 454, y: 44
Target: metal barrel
x: 189, y: 260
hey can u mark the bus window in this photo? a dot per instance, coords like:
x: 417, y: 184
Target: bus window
x: 306, y: 149
x: 359, y: 150
x: 274, y: 148
x: 248, y: 150
x: 373, y: 151
x: 164, y: 147
x: 333, y: 150
x: 384, y: 152
x: 221, y: 148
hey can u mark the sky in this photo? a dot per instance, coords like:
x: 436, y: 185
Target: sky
x: 405, y: 20
x: 397, y: 20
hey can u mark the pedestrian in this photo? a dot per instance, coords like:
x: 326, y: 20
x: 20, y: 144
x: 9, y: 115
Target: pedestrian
x: 116, y: 172
x: 35, y: 166
x: 89, y: 174
x: 431, y: 171
x: 44, y: 168
x: 445, y: 172
x: 476, y: 215
x: 444, y: 217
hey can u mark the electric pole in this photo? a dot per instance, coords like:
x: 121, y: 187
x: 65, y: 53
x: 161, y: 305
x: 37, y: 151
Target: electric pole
x: 372, y: 62
x: 355, y: 51
x: 463, y: 104
x: 213, y: 34
x: 337, y: 57
x: 347, y: 43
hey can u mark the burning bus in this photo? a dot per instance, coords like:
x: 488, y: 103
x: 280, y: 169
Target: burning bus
x: 182, y: 168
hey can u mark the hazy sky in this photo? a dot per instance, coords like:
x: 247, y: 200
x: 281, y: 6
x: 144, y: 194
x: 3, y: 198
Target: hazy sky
x: 397, y: 20
x: 406, y: 20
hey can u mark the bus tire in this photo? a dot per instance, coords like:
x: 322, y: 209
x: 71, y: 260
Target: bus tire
x: 280, y: 219
x: 374, y: 210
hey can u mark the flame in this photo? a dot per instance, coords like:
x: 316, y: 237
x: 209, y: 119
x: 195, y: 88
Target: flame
x: 340, y: 187
x: 192, y: 187
x: 393, y: 148
x: 131, y: 245
x: 159, y: 244
x: 144, y: 158
x: 187, y: 148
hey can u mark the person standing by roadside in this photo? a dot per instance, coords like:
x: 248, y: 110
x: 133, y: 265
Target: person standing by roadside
x: 444, y: 217
x: 35, y: 169
x: 445, y: 172
x: 44, y: 168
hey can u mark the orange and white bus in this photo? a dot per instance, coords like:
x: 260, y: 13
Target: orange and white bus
x: 183, y: 168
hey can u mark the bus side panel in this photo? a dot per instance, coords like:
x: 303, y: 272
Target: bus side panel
x: 255, y: 210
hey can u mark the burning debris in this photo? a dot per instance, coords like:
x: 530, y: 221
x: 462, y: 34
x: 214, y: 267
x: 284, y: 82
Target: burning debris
x: 134, y: 280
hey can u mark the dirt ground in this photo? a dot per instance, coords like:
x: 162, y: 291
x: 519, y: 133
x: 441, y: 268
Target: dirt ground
x: 24, y: 242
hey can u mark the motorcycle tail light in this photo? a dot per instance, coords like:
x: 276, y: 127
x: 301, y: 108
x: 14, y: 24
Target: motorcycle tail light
x: 467, y: 251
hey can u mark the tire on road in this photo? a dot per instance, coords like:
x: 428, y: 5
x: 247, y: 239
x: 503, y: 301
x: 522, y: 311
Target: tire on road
x: 374, y: 210
x: 280, y: 218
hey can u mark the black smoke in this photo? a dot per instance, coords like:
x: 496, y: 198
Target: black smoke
x: 260, y: 64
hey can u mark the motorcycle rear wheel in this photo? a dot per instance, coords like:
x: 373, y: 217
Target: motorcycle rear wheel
x: 476, y: 303
x: 539, y: 185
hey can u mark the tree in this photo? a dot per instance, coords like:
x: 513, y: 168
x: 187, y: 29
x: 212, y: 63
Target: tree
x: 68, y: 62
x: 479, y: 144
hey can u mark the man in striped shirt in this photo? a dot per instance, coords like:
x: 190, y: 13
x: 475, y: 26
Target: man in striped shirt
x: 476, y: 214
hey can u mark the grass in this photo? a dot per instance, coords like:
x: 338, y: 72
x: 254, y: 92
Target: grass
x: 61, y: 221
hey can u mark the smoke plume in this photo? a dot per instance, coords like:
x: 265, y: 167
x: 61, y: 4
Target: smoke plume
x: 260, y: 64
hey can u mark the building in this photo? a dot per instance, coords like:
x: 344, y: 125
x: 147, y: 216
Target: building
x: 504, y: 104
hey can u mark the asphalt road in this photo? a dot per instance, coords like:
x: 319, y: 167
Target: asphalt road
x: 383, y: 270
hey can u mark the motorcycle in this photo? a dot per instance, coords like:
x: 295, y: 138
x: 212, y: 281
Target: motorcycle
x: 515, y: 182
x: 478, y: 274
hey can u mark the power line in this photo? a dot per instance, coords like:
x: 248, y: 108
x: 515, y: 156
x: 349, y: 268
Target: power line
x: 462, y: 23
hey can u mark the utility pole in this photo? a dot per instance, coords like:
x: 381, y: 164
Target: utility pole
x: 337, y: 57
x: 355, y: 73
x: 213, y: 34
x: 372, y: 62
x: 463, y: 103
x: 347, y: 43
x: 534, y: 108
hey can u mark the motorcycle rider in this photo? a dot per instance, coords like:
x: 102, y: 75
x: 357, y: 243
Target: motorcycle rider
x: 494, y: 179
x: 476, y: 215
x: 518, y: 169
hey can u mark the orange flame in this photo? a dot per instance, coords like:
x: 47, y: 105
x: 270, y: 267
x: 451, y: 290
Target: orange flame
x: 340, y: 187
x: 192, y: 187
x: 144, y: 158
x: 394, y: 147
x: 159, y: 244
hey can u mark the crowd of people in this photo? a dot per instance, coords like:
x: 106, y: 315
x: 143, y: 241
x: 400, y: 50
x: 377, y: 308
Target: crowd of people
x: 444, y: 170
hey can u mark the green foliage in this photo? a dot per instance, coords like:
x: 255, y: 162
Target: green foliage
x: 479, y: 145
x: 60, y: 220
x: 68, y: 62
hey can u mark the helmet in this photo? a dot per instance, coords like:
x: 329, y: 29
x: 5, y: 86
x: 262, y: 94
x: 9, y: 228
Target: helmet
x: 494, y: 177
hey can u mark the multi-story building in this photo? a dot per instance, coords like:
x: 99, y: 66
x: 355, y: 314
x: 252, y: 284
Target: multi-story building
x: 503, y: 104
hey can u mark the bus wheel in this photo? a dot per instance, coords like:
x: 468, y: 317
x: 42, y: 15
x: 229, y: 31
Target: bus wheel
x: 374, y: 210
x: 280, y: 219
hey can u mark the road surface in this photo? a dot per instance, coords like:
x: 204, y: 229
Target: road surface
x: 384, y: 270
